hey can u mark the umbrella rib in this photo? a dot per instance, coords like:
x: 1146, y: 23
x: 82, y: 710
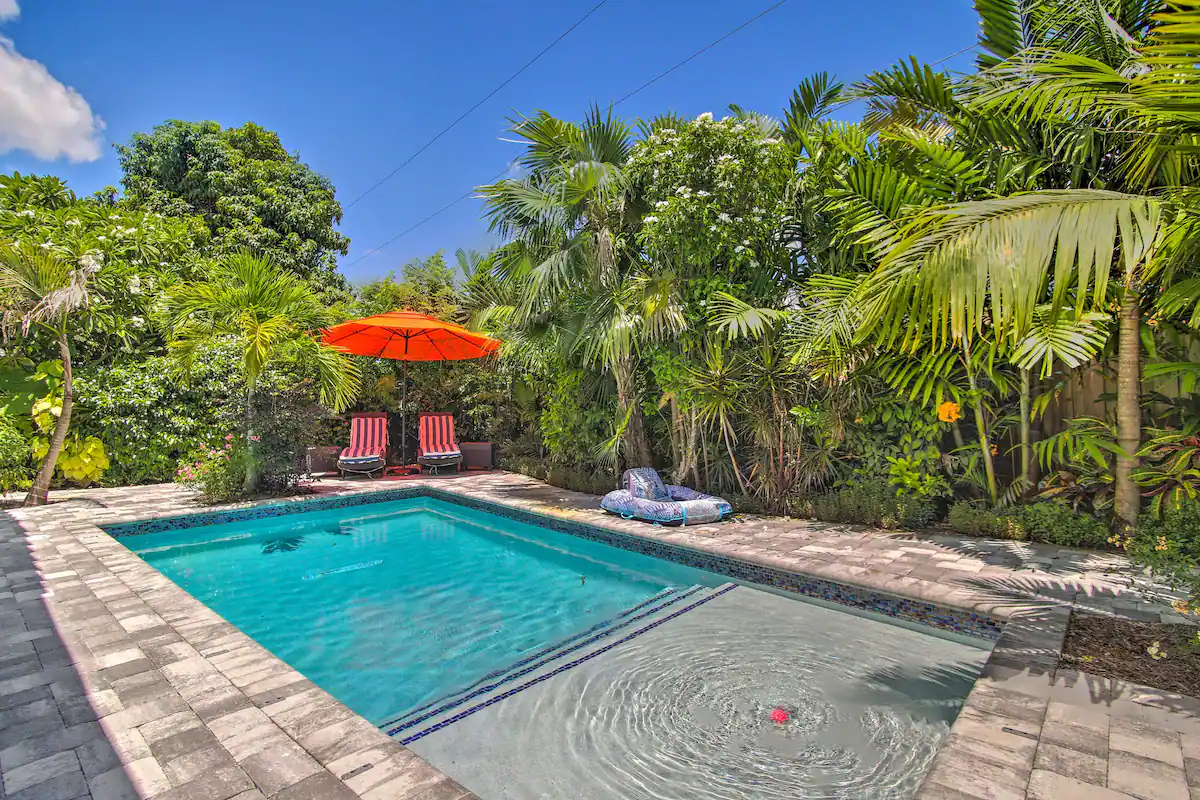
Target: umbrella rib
x: 435, y: 347
x: 465, y: 339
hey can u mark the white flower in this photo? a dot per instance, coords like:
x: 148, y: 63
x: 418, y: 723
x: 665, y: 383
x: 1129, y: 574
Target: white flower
x: 3, y: 352
x: 705, y: 117
x: 746, y: 242
x: 683, y: 191
x: 662, y: 204
x: 712, y: 227
x: 738, y: 219
x: 701, y: 193
x: 73, y: 222
x: 757, y: 210
x: 724, y: 157
x: 135, y: 285
x: 46, y: 245
x: 26, y: 213
x: 137, y: 322
x: 102, y: 238
x: 724, y: 217
x: 739, y: 249
x: 666, y: 131
x: 770, y: 141
x: 753, y: 263
x: 651, y: 218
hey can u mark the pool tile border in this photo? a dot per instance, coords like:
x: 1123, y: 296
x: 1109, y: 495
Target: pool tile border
x: 958, y: 621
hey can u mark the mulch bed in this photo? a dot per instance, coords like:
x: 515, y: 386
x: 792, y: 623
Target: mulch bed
x: 1117, y: 648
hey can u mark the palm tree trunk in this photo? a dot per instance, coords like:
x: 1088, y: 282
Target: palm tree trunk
x: 253, y: 468
x: 636, y: 440
x: 39, y: 493
x: 1129, y: 414
x: 1026, y: 428
x: 985, y: 446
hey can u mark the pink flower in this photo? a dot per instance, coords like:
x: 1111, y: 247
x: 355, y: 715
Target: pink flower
x: 255, y: 438
x: 229, y: 446
x: 229, y: 438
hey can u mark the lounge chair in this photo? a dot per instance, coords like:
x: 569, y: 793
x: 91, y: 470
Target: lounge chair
x: 647, y: 498
x: 367, y: 453
x: 436, y: 445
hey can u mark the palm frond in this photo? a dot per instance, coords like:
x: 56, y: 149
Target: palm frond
x: 959, y: 265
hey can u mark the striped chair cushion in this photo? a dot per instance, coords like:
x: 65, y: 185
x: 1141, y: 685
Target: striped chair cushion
x: 436, y: 436
x: 368, y: 436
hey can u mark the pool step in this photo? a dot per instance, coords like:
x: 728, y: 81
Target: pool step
x: 668, y: 596
x: 531, y: 671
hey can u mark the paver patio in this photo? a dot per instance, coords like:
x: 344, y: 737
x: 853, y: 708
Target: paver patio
x: 115, y: 683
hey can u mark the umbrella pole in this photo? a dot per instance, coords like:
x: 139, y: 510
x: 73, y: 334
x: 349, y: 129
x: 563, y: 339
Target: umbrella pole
x: 404, y: 419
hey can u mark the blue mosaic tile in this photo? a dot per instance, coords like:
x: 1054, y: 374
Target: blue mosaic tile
x: 916, y: 611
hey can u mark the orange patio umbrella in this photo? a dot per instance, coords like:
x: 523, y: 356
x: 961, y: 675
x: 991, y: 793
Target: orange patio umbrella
x: 408, y: 336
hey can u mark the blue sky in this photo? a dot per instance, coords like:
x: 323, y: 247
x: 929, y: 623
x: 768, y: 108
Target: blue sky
x: 357, y: 86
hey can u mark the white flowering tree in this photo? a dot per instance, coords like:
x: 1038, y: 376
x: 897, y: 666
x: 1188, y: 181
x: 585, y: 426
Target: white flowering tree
x: 716, y: 196
x: 716, y: 193
x: 140, y: 254
x: 80, y: 280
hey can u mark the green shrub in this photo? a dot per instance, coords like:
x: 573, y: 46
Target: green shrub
x: 974, y: 520
x: 16, y: 466
x: 1170, y: 547
x: 216, y: 472
x: 149, y: 416
x: 874, y: 503
x: 1057, y: 523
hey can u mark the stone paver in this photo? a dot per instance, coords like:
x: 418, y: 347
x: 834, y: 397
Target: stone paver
x: 115, y: 683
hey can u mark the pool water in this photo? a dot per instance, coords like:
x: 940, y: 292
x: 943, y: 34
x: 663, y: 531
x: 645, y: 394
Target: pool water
x: 392, y: 605
x: 527, y: 663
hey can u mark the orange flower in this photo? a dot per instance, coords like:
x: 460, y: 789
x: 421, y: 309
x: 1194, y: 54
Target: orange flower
x: 949, y: 412
x: 995, y: 450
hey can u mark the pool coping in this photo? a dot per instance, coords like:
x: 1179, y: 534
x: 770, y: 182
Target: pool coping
x: 119, y: 620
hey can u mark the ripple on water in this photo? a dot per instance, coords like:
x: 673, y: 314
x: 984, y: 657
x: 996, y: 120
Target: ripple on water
x: 683, y: 712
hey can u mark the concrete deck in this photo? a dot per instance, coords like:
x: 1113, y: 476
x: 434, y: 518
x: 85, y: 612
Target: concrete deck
x: 115, y: 683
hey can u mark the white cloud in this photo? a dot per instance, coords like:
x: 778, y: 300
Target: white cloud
x: 41, y: 115
x: 9, y: 9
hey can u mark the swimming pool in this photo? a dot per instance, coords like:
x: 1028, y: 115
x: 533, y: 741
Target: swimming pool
x: 463, y: 632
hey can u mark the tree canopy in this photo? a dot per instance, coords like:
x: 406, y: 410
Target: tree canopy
x: 253, y: 194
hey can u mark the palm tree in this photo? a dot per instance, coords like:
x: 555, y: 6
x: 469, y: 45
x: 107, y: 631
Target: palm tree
x: 268, y: 311
x: 568, y: 250
x: 41, y: 288
x: 1105, y: 237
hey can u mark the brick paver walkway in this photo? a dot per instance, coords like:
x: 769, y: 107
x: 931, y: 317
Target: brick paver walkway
x: 115, y: 683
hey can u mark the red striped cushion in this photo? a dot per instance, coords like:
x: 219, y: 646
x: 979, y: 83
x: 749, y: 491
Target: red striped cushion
x: 368, y: 436
x: 437, y: 435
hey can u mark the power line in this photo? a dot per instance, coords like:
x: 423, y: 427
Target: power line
x: 702, y: 50
x: 486, y: 97
x: 952, y: 55
x: 648, y: 83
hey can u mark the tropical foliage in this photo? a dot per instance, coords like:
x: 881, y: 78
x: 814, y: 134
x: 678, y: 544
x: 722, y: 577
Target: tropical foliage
x: 974, y: 304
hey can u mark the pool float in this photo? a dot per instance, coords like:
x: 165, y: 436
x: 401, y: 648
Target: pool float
x: 647, y: 498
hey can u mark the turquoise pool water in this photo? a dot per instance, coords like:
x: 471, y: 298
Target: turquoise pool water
x: 393, y: 605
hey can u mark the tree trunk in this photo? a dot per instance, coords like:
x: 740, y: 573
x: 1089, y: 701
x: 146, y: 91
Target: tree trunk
x: 40, y: 491
x: 985, y: 447
x: 1026, y: 429
x: 253, y: 467
x: 1129, y: 413
x: 636, y: 441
